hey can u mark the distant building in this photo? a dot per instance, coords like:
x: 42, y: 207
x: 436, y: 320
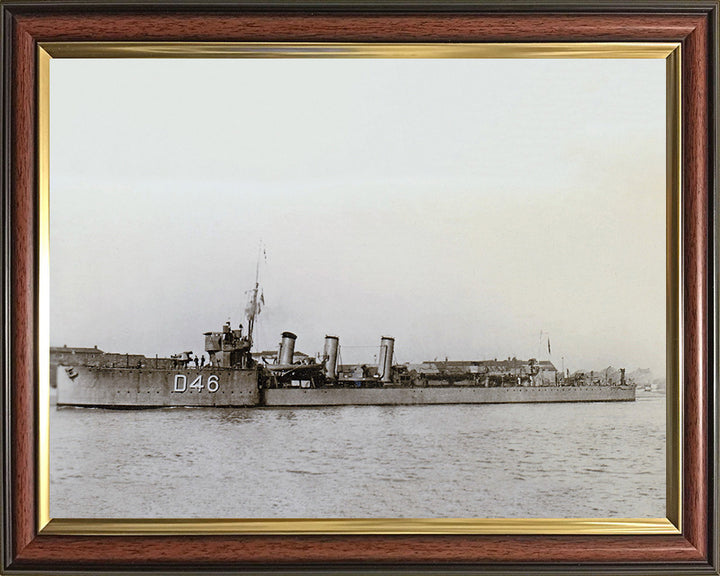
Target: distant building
x: 642, y: 377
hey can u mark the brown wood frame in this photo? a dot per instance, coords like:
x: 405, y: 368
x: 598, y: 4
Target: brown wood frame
x: 692, y: 23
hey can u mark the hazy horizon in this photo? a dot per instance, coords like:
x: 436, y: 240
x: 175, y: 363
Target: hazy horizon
x: 460, y: 206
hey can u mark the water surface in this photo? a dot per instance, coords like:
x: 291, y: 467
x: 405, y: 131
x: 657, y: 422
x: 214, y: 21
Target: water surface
x: 461, y: 461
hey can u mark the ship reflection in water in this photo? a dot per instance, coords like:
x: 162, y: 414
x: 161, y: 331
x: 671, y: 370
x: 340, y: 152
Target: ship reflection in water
x: 604, y: 459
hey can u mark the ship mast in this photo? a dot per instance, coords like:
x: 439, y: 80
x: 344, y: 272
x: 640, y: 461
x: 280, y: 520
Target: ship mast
x: 253, y: 308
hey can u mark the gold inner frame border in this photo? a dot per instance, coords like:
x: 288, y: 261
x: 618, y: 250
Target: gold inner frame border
x: 671, y: 52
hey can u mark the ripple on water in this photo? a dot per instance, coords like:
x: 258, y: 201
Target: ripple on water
x: 525, y: 460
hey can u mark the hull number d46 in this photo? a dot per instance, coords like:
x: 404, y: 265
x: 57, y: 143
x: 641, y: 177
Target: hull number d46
x: 181, y: 383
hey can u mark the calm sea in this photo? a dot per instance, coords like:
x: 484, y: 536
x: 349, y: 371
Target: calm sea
x: 468, y: 461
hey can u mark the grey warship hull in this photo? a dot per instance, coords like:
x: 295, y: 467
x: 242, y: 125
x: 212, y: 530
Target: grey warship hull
x: 232, y: 387
x: 156, y: 388
x: 443, y: 395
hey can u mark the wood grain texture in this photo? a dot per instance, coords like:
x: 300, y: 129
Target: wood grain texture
x: 359, y: 28
x: 45, y: 552
x: 360, y: 550
x: 22, y: 288
x: 696, y: 197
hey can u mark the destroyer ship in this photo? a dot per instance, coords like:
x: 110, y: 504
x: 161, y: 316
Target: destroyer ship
x: 234, y: 376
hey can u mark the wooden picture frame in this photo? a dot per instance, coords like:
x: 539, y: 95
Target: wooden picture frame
x: 30, y: 548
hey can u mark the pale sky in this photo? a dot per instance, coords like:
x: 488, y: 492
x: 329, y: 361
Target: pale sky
x: 461, y: 206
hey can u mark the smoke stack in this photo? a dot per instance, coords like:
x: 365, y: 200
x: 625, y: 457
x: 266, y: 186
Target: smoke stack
x: 287, y: 348
x: 331, y: 357
x: 387, y: 346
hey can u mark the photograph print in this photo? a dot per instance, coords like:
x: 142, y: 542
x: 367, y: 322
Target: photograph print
x: 357, y: 288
